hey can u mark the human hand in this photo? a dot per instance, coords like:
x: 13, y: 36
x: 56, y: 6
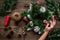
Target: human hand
x: 50, y: 26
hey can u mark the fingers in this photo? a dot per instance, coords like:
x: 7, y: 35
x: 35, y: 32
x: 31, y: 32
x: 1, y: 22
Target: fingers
x: 51, y: 23
x: 47, y: 25
x: 54, y: 21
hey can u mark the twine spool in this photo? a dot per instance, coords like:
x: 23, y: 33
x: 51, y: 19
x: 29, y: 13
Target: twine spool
x: 16, y: 16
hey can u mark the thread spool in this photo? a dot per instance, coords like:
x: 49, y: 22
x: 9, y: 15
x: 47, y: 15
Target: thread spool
x: 16, y: 16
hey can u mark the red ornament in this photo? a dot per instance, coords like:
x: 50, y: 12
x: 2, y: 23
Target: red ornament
x: 6, y: 22
x: 45, y: 22
x: 25, y: 19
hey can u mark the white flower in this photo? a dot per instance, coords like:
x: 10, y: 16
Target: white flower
x: 28, y: 16
x: 30, y: 8
x: 43, y: 9
x: 28, y: 29
x: 39, y: 32
x: 36, y: 29
x: 31, y: 23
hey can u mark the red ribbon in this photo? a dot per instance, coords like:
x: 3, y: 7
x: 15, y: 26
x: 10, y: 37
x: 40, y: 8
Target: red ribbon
x: 6, y: 22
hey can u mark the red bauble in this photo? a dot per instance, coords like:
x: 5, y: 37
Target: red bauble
x: 6, y: 22
x: 45, y: 22
x: 25, y: 19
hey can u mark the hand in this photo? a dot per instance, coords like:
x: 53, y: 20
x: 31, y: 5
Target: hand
x: 52, y: 24
x: 48, y: 28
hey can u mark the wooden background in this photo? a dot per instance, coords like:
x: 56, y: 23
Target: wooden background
x: 18, y: 29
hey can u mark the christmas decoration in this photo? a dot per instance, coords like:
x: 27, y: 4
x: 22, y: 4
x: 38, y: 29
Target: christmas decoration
x: 16, y: 16
x: 36, y: 15
x: 36, y: 29
x: 31, y: 23
x: 42, y: 9
x: 30, y: 8
x: 45, y: 22
x: 25, y: 19
x: 39, y: 15
x: 7, y: 7
x: 7, y: 20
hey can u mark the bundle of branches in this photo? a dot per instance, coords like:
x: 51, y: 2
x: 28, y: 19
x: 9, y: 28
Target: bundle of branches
x: 7, y: 6
x: 54, y: 6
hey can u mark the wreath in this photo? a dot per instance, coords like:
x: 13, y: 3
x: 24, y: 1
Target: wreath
x: 37, y: 17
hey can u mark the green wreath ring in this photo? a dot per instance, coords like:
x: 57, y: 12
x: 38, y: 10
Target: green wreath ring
x: 36, y: 16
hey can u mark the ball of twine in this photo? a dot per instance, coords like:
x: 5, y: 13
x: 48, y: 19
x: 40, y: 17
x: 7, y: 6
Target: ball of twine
x: 16, y: 16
